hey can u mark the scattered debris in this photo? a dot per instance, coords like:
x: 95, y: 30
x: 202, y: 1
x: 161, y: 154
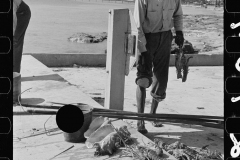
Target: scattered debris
x: 108, y: 145
x: 76, y: 66
x: 95, y: 124
x: 39, y: 133
x: 98, y: 135
x: 182, y: 151
x: 58, y: 70
x: 88, y: 38
x: 209, y: 139
x: 112, y: 141
x: 62, y: 152
x: 121, y: 137
x: 187, y: 48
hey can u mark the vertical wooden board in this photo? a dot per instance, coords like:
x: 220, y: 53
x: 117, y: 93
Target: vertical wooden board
x: 109, y: 40
x: 116, y: 58
x: 130, y: 51
x: 132, y: 29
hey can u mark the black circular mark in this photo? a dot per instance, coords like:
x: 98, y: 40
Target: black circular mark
x: 70, y: 118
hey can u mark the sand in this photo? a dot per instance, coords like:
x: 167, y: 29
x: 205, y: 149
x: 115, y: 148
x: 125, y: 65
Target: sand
x: 203, y: 89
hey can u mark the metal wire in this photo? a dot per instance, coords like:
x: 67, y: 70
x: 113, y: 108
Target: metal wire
x: 47, y: 132
x: 19, y: 99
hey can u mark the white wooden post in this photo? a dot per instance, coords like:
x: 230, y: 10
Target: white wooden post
x: 116, y: 58
x: 120, y: 26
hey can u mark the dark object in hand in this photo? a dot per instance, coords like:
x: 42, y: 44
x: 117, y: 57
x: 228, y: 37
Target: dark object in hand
x: 181, y: 64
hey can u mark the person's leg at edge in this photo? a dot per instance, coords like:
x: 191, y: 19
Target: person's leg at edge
x: 23, y: 18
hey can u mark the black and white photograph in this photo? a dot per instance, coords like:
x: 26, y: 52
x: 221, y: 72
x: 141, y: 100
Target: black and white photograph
x: 121, y: 79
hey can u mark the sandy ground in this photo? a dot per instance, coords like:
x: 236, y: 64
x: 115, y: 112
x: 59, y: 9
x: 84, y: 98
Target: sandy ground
x: 204, y: 89
x: 54, y: 21
x: 201, y: 95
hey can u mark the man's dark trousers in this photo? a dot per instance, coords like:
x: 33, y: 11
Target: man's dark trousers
x: 154, y: 63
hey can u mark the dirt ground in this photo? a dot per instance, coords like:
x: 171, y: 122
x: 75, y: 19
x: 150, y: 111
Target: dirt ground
x: 54, y: 21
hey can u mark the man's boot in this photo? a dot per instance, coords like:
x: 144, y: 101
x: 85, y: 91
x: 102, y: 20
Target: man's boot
x: 153, y: 111
x: 141, y: 96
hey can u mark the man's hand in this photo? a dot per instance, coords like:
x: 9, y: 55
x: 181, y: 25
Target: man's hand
x: 179, y: 39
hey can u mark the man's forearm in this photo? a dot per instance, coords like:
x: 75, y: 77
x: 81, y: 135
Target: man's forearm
x: 139, y: 15
x: 178, y: 22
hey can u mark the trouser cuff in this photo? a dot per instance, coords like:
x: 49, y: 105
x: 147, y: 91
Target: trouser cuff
x: 157, y: 97
x: 149, y: 80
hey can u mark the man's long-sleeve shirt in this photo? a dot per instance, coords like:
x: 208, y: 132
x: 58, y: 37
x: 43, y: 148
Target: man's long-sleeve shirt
x: 16, y: 4
x: 152, y: 16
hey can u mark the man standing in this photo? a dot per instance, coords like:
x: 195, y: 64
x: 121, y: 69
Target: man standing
x: 21, y: 17
x: 154, y: 19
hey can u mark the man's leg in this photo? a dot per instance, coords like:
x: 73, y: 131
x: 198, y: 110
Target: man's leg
x: 23, y: 17
x: 160, y: 71
x: 143, y: 81
x: 154, y: 106
x: 141, y: 96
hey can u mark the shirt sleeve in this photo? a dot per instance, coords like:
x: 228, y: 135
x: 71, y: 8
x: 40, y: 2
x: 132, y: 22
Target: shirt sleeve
x: 14, y: 16
x: 178, y: 17
x: 139, y: 16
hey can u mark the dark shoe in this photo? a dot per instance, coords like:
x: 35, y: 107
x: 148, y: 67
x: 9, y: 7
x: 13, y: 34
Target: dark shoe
x: 157, y: 124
